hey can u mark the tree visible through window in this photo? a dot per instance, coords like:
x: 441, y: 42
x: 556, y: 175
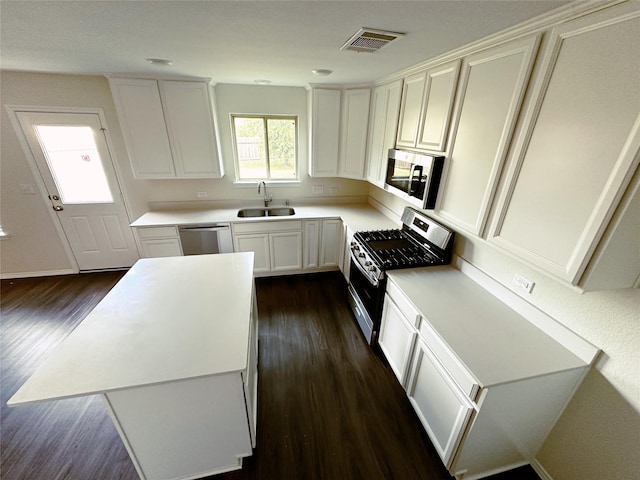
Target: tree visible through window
x: 266, y: 147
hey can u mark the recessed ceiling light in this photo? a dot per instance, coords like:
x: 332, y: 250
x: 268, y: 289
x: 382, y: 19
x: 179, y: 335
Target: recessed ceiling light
x: 262, y: 82
x: 160, y: 61
x: 322, y: 72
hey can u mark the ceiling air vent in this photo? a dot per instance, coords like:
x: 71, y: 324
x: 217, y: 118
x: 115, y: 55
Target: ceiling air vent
x: 370, y: 40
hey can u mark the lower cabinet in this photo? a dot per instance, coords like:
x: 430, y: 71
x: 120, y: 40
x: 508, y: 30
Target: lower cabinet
x: 322, y: 244
x: 397, y: 338
x: 277, y: 245
x: 440, y: 404
x: 158, y: 241
x: 485, y: 383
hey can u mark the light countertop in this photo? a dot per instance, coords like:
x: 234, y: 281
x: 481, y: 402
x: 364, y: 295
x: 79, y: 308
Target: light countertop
x: 359, y: 216
x: 493, y: 341
x: 167, y: 319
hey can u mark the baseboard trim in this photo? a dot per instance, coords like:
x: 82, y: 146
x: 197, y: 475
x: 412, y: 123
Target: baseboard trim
x: 540, y: 470
x: 47, y: 273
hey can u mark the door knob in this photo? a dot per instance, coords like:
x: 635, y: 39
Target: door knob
x: 58, y: 208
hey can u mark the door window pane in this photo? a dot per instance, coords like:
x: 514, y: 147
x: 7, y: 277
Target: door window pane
x: 76, y: 166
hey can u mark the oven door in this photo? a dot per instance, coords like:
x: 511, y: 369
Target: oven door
x: 366, y: 300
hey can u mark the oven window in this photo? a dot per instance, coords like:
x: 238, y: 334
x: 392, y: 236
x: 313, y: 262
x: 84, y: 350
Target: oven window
x: 371, y: 296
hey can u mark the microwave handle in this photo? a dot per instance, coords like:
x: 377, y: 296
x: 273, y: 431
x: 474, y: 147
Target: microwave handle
x: 412, y: 174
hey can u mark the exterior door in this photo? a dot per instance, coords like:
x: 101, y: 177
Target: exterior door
x: 72, y: 157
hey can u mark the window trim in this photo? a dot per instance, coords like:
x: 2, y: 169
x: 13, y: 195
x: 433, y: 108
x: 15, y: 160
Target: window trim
x: 264, y: 117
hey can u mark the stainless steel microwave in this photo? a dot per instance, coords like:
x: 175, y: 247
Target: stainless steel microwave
x: 413, y: 176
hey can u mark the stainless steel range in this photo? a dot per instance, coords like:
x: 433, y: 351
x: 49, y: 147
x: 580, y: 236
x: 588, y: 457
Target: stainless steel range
x: 420, y: 242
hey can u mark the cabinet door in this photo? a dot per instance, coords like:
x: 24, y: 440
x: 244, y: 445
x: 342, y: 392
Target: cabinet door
x: 581, y: 145
x: 385, y: 109
x: 325, y: 132
x: 189, y: 116
x: 331, y: 244
x: 311, y: 252
x: 439, y: 93
x: 397, y: 337
x: 410, y: 108
x: 161, y: 247
x: 353, y: 135
x: 257, y: 243
x: 443, y: 410
x: 286, y: 251
x: 143, y: 126
x: 491, y: 89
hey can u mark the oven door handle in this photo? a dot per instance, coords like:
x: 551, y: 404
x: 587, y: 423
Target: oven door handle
x: 360, y: 267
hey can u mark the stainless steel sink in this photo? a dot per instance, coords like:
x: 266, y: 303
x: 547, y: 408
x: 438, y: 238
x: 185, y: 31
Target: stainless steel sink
x: 252, y: 212
x: 280, y: 212
x: 264, y: 212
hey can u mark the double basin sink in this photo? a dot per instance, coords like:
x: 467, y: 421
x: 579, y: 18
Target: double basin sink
x: 266, y: 212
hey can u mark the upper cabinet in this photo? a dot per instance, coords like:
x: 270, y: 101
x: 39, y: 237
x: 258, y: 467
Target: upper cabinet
x: 338, y: 123
x: 168, y: 127
x: 354, y: 123
x: 579, y: 149
x: 492, y: 86
x: 425, y: 112
x: 385, y: 109
x: 324, y: 132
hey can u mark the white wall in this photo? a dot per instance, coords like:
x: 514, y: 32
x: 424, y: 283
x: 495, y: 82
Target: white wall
x: 598, y: 436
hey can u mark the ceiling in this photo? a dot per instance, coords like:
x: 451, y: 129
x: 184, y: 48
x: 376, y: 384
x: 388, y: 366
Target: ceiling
x: 244, y: 41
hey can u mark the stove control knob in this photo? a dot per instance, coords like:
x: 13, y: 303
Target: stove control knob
x: 361, y: 255
x: 367, y: 263
x: 372, y: 268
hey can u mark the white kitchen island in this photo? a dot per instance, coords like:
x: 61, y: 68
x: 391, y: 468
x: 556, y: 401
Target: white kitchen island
x: 172, y: 350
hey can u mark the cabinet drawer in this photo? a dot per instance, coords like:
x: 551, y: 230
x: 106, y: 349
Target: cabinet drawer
x: 459, y: 373
x: 403, y: 303
x: 157, y: 232
x: 267, y: 227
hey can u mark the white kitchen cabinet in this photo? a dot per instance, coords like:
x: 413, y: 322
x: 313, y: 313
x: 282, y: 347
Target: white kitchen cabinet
x: 410, y: 108
x: 397, y: 337
x: 257, y: 243
x: 331, y: 243
x: 338, y: 132
x: 492, y: 86
x: 158, y: 241
x: 277, y: 245
x: 354, y: 123
x: 441, y: 406
x: 346, y: 252
x: 286, y: 251
x: 425, y: 112
x: 486, y: 382
x: 324, y: 135
x: 168, y: 127
x: 311, y: 244
x: 385, y: 110
x: 580, y: 146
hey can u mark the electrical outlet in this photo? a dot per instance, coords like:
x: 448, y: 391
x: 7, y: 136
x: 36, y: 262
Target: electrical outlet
x: 523, y: 283
x: 333, y: 190
x: 317, y: 189
x: 202, y: 194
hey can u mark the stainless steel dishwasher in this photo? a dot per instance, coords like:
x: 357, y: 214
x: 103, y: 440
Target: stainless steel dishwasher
x: 206, y: 239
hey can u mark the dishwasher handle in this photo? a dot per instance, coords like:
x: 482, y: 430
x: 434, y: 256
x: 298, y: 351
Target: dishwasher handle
x: 216, y: 228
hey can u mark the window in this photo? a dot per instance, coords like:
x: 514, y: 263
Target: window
x: 266, y: 147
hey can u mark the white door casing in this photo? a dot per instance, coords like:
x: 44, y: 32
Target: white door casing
x: 96, y: 233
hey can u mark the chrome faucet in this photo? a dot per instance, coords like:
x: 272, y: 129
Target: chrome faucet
x: 267, y: 199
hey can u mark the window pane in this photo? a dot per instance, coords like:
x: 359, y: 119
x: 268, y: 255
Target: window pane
x: 282, y: 147
x: 75, y: 164
x: 250, y: 146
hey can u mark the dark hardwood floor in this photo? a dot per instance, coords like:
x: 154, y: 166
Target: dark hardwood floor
x: 328, y: 406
